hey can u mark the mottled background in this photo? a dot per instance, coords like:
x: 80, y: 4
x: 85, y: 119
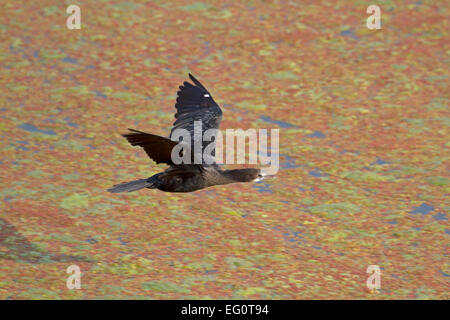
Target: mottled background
x: 363, y: 117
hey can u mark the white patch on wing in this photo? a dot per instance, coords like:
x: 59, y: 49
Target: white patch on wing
x: 206, y: 95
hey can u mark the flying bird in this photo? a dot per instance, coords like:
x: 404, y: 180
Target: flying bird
x: 194, y: 103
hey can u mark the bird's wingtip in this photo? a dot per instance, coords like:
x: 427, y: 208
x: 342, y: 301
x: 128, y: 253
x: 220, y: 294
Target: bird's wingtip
x: 196, y: 82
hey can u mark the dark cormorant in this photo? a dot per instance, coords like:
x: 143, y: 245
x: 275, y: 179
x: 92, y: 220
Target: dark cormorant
x: 194, y: 103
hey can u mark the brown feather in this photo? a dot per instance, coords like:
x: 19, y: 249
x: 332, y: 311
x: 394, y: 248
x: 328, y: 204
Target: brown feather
x: 157, y: 148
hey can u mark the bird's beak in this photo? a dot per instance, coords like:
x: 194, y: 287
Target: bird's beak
x: 263, y: 176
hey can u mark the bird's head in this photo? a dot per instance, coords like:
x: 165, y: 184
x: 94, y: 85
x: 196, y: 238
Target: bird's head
x: 246, y: 175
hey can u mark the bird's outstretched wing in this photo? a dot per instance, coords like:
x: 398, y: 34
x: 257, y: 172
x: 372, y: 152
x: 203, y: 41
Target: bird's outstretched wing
x: 159, y: 149
x: 195, y: 106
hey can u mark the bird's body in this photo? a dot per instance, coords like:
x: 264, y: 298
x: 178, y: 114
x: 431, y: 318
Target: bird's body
x: 194, y: 103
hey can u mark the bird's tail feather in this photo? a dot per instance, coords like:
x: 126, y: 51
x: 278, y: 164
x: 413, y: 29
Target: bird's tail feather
x: 133, y: 185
